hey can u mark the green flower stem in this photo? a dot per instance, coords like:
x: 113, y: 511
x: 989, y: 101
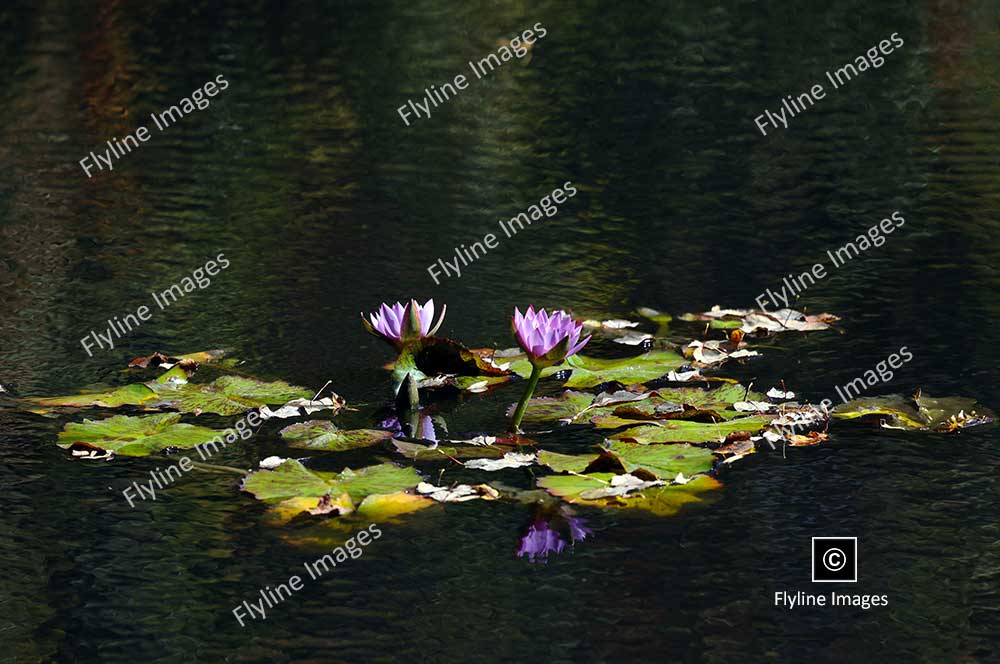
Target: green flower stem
x: 536, y: 373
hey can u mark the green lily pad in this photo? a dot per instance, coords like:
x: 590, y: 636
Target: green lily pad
x: 136, y: 436
x: 630, y: 417
x: 293, y: 480
x: 228, y: 395
x: 289, y: 480
x: 478, y: 383
x: 543, y: 410
x: 233, y: 395
x: 128, y: 395
x: 576, y: 463
x: 442, y: 452
x: 664, y: 461
x: 657, y: 317
x: 665, y: 500
x: 921, y: 412
x: 325, y: 435
x: 589, y: 371
x: 624, y: 408
x: 682, y: 431
x: 699, y: 405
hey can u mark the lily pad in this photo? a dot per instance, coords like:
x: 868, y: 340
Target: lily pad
x: 375, y: 507
x: 565, y: 407
x: 665, y: 500
x: 325, y: 435
x: 663, y: 461
x: 920, y: 412
x: 233, y: 395
x: 591, y: 371
x: 681, y: 431
x: 293, y: 480
x: 444, y: 452
x: 189, y: 360
x: 227, y: 395
x: 657, y: 317
x: 576, y: 463
x: 135, y: 436
x: 624, y: 408
x: 767, y: 322
x: 588, y: 371
x: 129, y: 395
x: 381, y: 507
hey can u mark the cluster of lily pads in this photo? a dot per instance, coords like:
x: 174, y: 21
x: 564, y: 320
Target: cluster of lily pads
x: 662, y: 422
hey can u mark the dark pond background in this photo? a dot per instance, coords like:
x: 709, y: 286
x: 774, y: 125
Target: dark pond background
x: 325, y: 203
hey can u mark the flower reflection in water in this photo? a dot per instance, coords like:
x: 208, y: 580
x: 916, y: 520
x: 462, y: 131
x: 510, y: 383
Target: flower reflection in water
x: 550, y: 532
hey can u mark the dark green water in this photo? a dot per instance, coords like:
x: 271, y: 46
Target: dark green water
x: 326, y: 204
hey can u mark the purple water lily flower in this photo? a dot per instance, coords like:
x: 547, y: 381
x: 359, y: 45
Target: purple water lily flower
x: 400, y: 323
x: 542, y: 539
x: 547, y: 339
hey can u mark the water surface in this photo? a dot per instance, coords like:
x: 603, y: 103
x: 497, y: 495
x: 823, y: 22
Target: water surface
x: 326, y: 204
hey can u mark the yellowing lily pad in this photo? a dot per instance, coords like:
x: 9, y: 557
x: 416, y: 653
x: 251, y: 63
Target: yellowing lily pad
x: 325, y: 435
x: 386, y: 507
x: 292, y: 480
x: 135, y: 436
x: 920, y: 411
x: 664, y: 500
